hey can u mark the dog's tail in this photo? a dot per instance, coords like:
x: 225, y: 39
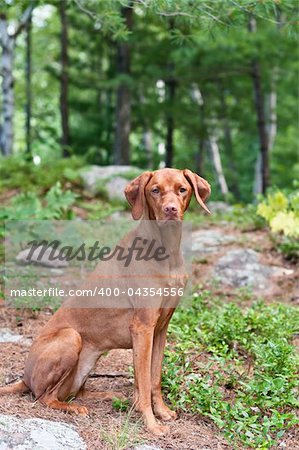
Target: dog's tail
x: 17, y: 388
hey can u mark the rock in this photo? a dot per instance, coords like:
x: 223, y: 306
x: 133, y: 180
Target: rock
x: 37, y: 434
x: 242, y: 267
x: 110, y: 179
x: 219, y: 207
x: 41, y: 257
x: 208, y: 241
x: 115, y: 188
x: 6, y: 335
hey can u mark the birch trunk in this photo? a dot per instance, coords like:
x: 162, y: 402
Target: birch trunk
x: 233, y: 179
x: 7, y: 59
x: 28, y: 106
x: 271, y: 131
x: 215, y: 153
x: 7, y: 42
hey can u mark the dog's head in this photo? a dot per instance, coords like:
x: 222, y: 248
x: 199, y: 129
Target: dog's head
x: 165, y: 194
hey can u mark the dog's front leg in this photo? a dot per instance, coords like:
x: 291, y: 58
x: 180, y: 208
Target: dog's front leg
x: 142, y: 337
x: 161, y: 410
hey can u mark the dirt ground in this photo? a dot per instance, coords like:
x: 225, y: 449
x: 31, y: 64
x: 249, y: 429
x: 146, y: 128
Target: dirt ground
x: 189, y: 431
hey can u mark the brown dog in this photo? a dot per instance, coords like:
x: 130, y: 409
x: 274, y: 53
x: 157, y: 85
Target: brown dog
x: 68, y: 347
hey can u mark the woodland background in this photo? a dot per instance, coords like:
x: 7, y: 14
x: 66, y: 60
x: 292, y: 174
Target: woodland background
x: 209, y: 85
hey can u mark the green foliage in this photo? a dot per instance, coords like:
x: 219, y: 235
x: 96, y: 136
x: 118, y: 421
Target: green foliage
x: 204, y: 44
x: 239, y: 368
x: 281, y: 212
x: 19, y: 173
x: 56, y: 205
x: 120, y: 405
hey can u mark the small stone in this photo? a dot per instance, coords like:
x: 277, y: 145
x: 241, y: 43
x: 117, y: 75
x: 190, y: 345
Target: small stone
x: 6, y: 335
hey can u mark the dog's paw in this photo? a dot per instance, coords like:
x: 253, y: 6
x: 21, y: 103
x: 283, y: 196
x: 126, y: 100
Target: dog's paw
x: 158, y: 430
x: 79, y: 410
x: 166, y: 414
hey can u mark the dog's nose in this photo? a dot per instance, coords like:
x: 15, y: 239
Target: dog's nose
x: 170, y: 209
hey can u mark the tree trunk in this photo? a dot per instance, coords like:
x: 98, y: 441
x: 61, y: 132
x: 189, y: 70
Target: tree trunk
x: 202, y: 134
x: 218, y: 165
x: 272, y: 102
x: 170, y: 85
x: 229, y: 146
x: 199, y: 157
x: 147, y: 145
x: 123, y: 103
x: 28, y: 106
x: 7, y: 59
x: 64, y: 81
x: 261, y: 119
x: 7, y: 42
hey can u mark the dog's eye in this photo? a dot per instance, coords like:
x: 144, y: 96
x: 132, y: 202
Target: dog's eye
x: 182, y: 189
x: 155, y: 191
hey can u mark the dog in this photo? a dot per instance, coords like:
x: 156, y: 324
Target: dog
x: 62, y: 356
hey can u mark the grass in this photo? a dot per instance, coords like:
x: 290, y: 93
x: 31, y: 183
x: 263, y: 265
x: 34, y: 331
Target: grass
x: 237, y: 367
x: 122, y: 434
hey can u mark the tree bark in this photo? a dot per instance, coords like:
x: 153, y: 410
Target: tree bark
x: 229, y: 146
x: 218, y: 165
x: 199, y: 157
x: 28, y: 107
x: 197, y: 97
x: 170, y: 85
x: 7, y: 59
x: 261, y: 118
x: 123, y: 102
x: 7, y: 42
x: 64, y: 81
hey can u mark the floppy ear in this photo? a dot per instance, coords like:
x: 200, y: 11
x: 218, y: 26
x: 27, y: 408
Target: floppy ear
x: 134, y: 193
x: 201, y: 188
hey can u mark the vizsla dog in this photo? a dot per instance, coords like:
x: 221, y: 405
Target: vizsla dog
x: 65, y: 352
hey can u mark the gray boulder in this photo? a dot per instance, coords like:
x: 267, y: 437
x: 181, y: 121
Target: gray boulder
x: 242, y: 267
x: 209, y: 241
x: 41, y: 257
x: 37, y: 434
x: 109, y: 179
x: 219, y: 207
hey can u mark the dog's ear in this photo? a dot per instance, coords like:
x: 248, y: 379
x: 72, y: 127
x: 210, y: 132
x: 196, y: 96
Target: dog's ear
x: 135, y: 195
x: 201, y: 188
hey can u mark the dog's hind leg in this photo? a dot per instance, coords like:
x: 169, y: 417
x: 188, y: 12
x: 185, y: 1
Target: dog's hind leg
x: 17, y: 388
x: 100, y: 395
x: 51, y: 367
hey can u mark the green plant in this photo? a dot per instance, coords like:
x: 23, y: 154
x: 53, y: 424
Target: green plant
x: 123, y: 434
x: 19, y: 173
x: 237, y: 367
x: 282, y: 215
x: 56, y: 205
x: 120, y: 405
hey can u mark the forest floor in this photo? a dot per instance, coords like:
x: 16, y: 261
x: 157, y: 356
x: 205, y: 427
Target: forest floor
x: 106, y: 427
